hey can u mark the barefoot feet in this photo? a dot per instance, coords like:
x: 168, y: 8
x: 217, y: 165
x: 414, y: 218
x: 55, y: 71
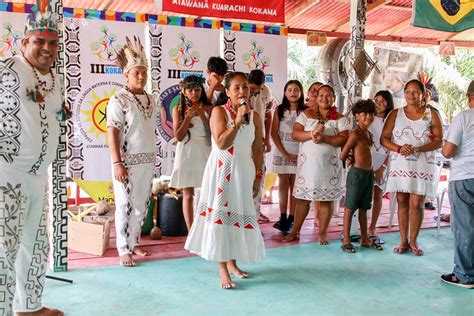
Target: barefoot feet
x: 45, y: 311
x: 235, y: 270
x: 323, y: 239
x: 225, y: 280
x: 290, y: 237
x: 126, y: 260
x: 141, y: 252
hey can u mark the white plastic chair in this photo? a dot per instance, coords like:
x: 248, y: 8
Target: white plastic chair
x: 441, y: 187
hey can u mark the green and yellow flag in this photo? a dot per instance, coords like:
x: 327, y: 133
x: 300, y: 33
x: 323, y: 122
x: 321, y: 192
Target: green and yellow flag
x: 444, y: 15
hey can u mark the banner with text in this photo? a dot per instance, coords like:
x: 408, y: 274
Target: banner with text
x: 265, y: 11
x: 91, y: 79
x: 186, y: 46
x: 250, y: 46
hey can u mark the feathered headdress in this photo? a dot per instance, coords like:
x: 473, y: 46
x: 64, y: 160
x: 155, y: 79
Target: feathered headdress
x: 427, y: 81
x: 131, y: 55
x: 42, y: 21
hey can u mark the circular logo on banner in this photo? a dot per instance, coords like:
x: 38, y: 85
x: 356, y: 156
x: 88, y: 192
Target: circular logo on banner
x: 92, y: 109
x: 169, y: 99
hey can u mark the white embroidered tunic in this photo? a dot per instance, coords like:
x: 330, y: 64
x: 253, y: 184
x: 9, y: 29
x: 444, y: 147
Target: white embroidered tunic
x: 29, y: 130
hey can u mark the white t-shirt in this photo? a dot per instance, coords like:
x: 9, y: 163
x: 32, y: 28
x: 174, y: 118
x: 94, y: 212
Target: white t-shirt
x: 461, y: 134
x: 262, y: 103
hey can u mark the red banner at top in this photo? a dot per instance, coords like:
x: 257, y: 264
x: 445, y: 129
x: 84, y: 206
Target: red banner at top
x: 265, y: 11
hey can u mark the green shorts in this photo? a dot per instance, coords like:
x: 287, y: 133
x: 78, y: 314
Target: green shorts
x: 360, y: 185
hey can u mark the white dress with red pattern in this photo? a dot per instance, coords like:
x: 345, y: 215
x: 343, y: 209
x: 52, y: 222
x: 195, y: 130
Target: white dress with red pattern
x: 225, y: 227
x: 413, y: 173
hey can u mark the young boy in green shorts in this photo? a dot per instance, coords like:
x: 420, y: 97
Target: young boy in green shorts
x: 360, y: 179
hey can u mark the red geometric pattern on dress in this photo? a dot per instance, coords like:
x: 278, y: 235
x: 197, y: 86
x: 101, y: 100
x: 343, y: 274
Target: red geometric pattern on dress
x: 411, y: 174
x: 224, y: 158
x: 229, y: 218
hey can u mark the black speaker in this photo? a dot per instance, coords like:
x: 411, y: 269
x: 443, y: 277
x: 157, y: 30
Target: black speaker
x: 170, y: 215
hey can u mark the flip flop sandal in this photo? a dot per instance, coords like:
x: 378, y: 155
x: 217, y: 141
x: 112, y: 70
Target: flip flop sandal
x: 401, y: 249
x: 349, y: 248
x: 373, y: 245
x: 377, y: 239
x: 417, y: 251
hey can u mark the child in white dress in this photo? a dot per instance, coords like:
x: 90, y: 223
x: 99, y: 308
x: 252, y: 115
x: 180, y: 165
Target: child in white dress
x: 191, y: 129
x: 383, y: 106
x: 285, y: 152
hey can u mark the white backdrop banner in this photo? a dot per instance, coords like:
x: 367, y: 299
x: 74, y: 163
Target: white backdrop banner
x: 12, y: 26
x: 186, y: 45
x: 92, y: 78
x: 249, y: 46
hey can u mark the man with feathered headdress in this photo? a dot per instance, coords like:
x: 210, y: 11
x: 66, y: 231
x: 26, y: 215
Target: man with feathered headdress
x: 131, y: 123
x: 30, y: 107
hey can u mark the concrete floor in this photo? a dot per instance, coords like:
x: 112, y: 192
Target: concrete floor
x: 305, y: 279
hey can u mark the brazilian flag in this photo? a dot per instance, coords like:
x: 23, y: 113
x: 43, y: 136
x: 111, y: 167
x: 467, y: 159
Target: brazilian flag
x: 444, y: 15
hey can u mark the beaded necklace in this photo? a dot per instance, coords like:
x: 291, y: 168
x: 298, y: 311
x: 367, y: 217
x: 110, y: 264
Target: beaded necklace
x: 233, y: 113
x: 367, y: 136
x: 146, y: 110
x: 332, y: 115
x: 39, y: 93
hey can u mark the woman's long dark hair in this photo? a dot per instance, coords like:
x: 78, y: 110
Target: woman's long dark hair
x: 183, y: 101
x: 285, y: 103
x: 387, y: 96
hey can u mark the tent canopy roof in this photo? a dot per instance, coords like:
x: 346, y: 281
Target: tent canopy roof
x: 387, y: 20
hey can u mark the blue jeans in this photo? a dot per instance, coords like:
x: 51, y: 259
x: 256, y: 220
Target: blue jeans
x: 461, y: 198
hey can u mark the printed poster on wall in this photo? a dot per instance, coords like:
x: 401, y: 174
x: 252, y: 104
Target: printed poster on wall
x: 12, y: 26
x: 397, y: 67
x: 186, y: 45
x: 91, y: 79
x: 250, y: 46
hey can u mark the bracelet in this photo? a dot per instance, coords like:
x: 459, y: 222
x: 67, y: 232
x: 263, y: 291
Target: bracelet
x: 235, y: 126
x: 259, y: 177
x: 259, y: 173
x: 399, y: 149
x: 120, y: 162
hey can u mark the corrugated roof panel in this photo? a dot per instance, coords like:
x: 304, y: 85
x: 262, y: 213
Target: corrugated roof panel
x: 326, y: 13
x: 383, y: 19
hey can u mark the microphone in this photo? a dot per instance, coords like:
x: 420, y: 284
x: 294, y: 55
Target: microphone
x: 246, y: 115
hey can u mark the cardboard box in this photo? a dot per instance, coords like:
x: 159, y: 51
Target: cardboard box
x: 89, y: 236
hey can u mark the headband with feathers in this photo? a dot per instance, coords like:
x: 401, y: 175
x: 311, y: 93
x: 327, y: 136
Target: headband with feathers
x: 131, y: 55
x: 42, y: 21
x: 427, y: 81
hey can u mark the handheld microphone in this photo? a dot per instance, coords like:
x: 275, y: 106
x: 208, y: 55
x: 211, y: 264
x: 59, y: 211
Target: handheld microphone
x: 246, y: 115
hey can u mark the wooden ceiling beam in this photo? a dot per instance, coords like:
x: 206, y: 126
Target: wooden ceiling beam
x: 305, y: 6
x: 397, y: 27
x: 393, y: 39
